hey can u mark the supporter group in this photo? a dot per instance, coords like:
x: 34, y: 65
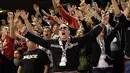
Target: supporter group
x: 74, y: 39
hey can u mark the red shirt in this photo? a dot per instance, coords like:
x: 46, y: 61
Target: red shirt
x: 8, y: 47
x: 73, y: 22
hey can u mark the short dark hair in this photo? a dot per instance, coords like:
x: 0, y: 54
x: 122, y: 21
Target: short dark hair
x: 47, y: 27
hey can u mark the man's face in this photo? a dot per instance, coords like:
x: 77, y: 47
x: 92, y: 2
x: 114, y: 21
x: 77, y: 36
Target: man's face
x: 64, y: 31
x: 55, y: 28
x: 47, y: 33
x: 3, y: 22
x: 79, y: 32
x: 5, y: 30
x: 30, y: 44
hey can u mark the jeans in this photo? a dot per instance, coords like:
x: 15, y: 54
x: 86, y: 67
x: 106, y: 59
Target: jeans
x: 102, y: 70
x: 127, y: 67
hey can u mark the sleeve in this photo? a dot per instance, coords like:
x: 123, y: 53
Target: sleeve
x: 45, y: 58
x: 64, y: 14
x: 123, y: 20
x: 85, y: 26
x: 36, y: 39
x: 95, y: 20
x: 91, y: 35
x: 111, y: 20
x: 73, y: 22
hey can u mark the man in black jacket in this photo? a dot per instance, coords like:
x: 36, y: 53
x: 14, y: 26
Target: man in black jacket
x: 65, y: 49
x: 124, y: 20
x: 100, y: 59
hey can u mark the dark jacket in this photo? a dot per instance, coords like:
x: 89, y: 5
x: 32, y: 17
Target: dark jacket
x: 72, y: 53
x: 125, y: 34
x: 96, y: 50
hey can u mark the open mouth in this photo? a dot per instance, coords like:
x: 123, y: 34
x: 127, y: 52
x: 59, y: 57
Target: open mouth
x: 63, y: 33
x: 46, y: 35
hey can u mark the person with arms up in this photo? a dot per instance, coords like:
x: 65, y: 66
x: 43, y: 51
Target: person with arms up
x: 65, y: 49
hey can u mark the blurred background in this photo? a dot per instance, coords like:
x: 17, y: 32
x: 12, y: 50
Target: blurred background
x: 12, y: 5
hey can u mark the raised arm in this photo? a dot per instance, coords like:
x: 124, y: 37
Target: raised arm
x: 36, y: 8
x: 62, y: 11
x: 36, y: 39
x: 49, y: 16
x: 123, y: 4
x: 19, y: 69
x: 73, y: 22
x: 124, y: 18
x: 32, y: 37
x: 116, y: 8
x: 11, y: 24
x: 113, y: 33
x: 91, y: 35
x: 45, y: 13
x: 38, y: 14
x: 25, y: 15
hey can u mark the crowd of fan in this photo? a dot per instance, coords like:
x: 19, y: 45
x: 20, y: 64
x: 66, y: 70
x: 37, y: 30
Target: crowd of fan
x: 97, y: 39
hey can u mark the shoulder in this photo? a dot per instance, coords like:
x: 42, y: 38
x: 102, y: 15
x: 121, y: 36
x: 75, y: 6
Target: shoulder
x: 40, y: 51
x: 9, y: 37
x: 26, y: 52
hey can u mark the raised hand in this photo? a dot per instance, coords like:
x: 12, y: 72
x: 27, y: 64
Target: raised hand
x: 57, y: 2
x: 115, y: 6
x: 95, y: 6
x: 82, y: 1
x: 52, y: 12
x: 10, y: 14
x: 74, y: 7
x: 79, y: 14
x: 44, y: 12
x: 33, y: 18
x: 23, y: 14
x: 126, y: 11
x: 69, y: 8
x: 17, y: 14
x: 59, y: 20
x: 39, y: 21
x: 105, y: 19
x: 36, y: 7
x: 10, y: 17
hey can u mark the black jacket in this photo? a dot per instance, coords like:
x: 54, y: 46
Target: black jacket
x: 72, y: 53
x: 125, y: 34
x: 96, y: 50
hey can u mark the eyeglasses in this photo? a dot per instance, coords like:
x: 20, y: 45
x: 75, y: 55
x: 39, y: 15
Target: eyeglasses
x: 65, y: 28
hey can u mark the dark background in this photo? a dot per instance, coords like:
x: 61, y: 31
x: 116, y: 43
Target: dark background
x: 12, y: 5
